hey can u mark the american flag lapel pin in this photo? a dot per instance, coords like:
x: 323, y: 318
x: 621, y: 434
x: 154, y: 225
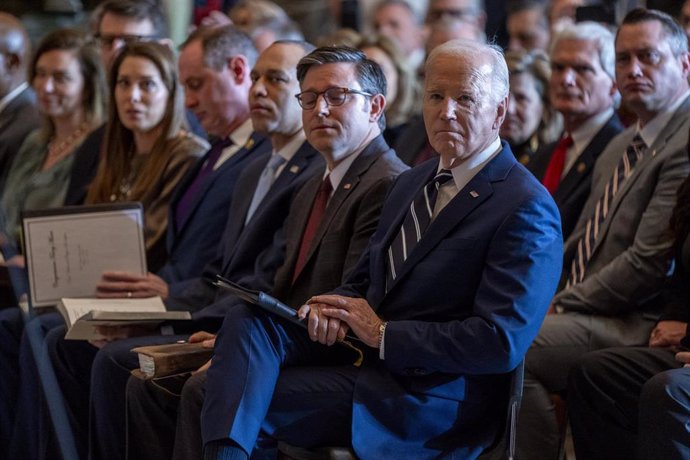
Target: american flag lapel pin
x: 347, y: 186
x: 474, y: 194
x: 294, y: 169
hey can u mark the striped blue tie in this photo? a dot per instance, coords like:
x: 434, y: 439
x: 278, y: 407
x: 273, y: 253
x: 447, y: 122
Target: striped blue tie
x: 415, y: 224
x: 585, y: 246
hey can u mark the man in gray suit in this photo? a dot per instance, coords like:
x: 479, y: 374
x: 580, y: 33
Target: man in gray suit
x: 18, y: 114
x: 618, y: 256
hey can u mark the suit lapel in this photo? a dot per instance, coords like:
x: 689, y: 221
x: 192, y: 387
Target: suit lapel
x: 585, y: 162
x: 346, y: 187
x: 292, y: 170
x: 252, y: 143
x: 477, y: 191
x: 8, y: 115
x: 656, y: 148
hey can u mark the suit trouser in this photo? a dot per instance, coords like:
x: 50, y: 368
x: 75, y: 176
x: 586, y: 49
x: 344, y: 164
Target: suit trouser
x: 615, y: 400
x: 665, y: 416
x: 33, y: 436
x: 11, y: 327
x: 562, y: 340
x: 94, y: 382
x: 258, y: 384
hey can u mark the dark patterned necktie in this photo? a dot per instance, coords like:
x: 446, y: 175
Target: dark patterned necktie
x: 184, y: 205
x: 585, y: 246
x: 415, y: 224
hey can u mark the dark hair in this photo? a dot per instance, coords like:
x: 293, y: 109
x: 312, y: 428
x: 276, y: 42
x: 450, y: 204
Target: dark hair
x: 222, y: 43
x: 90, y: 66
x: 369, y: 75
x: 119, y: 140
x: 677, y: 39
x: 139, y: 10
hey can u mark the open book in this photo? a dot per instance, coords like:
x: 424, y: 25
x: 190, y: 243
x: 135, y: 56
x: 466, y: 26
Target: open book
x: 83, y: 316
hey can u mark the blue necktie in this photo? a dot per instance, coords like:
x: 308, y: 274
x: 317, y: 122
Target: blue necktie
x: 268, y: 176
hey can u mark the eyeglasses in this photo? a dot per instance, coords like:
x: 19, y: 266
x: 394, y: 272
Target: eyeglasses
x: 106, y: 41
x: 333, y: 96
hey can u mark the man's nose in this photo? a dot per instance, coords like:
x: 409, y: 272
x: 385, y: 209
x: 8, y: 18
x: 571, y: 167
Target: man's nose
x: 448, y: 110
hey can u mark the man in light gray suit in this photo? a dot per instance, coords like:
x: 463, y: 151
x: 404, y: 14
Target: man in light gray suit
x: 18, y: 114
x: 618, y: 256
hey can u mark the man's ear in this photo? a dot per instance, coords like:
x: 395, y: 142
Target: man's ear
x: 501, y: 113
x: 12, y: 62
x: 378, y: 105
x: 239, y: 68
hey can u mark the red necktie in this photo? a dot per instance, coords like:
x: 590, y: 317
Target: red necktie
x: 554, y: 171
x: 317, y: 211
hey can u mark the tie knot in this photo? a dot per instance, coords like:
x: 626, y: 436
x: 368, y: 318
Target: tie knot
x: 275, y: 162
x: 566, y: 141
x: 638, y: 143
x: 442, y: 177
x: 326, y: 186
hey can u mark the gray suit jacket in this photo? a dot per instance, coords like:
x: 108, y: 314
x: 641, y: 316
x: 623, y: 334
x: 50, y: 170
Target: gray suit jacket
x: 350, y: 219
x: 17, y: 120
x: 631, y: 257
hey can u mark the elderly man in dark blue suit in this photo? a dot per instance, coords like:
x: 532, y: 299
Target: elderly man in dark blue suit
x: 446, y: 300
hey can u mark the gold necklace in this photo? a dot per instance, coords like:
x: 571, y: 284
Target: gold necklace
x: 58, y: 151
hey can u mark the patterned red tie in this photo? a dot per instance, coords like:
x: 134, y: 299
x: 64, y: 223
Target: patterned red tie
x: 554, y: 171
x: 317, y: 211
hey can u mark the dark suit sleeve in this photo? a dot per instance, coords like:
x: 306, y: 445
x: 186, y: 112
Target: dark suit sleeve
x: 520, y: 274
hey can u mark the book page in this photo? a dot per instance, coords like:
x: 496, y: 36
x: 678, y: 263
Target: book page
x: 66, y: 253
x: 76, y: 308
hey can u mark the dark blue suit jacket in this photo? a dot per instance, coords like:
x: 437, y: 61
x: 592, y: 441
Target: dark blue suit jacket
x: 242, y: 243
x: 462, y: 312
x: 196, y: 242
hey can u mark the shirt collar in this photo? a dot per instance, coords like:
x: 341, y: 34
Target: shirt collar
x: 651, y: 130
x: 337, y: 174
x: 584, y: 134
x: 241, y: 134
x: 466, y: 170
x: 290, y: 148
x: 9, y: 97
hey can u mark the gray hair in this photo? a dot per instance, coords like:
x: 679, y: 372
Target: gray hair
x: 499, y: 69
x: 369, y: 75
x: 417, y: 16
x: 222, y: 43
x: 595, y: 33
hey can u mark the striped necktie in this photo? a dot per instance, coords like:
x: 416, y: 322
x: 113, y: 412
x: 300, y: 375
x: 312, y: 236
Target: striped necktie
x: 415, y: 224
x: 585, y: 246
